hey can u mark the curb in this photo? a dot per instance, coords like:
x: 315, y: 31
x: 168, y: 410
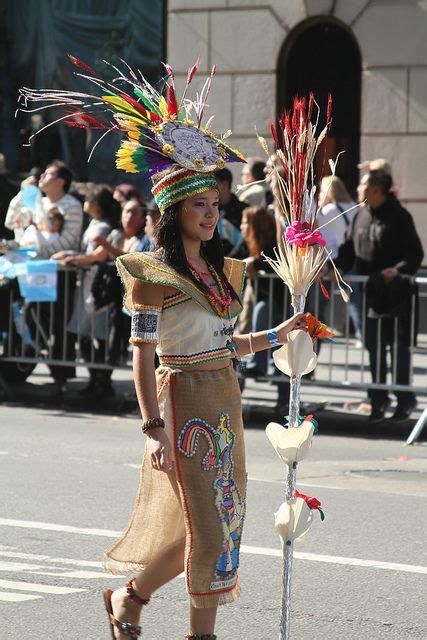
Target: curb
x: 331, y: 421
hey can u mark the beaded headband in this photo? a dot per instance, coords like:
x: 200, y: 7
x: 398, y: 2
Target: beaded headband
x: 181, y: 184
x: 158, y: 132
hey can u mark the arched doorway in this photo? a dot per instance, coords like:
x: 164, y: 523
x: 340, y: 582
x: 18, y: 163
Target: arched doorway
x: 321, y: 55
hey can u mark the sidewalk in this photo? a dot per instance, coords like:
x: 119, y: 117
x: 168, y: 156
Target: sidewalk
x: 259, y: 400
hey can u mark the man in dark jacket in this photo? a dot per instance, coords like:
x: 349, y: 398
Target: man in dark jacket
x: 382, y: 243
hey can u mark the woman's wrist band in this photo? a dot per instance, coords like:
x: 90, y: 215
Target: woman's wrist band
x: 152, y: 423
x: 251, y: 349
x: 273, y: 338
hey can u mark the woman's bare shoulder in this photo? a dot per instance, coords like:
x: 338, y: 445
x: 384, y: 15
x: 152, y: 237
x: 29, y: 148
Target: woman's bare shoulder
x: 148, y: 293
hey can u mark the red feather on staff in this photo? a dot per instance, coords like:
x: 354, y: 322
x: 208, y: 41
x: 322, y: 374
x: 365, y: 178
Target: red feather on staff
x: 274, y: 134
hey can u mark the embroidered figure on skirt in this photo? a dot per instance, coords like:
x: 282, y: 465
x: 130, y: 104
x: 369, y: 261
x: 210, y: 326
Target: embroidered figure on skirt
x: 228, y: 501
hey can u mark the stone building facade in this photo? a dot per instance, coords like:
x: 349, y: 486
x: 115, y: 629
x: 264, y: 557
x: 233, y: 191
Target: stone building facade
x: 245, y: 39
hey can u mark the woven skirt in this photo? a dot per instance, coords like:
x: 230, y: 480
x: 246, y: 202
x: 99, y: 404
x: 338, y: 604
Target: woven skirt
x: 201, y: 502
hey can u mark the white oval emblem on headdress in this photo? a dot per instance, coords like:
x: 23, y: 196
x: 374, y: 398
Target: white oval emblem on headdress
x: 189, y: 146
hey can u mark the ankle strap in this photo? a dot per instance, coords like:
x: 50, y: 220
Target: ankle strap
x: 133, y: 594
x: 200, y: 636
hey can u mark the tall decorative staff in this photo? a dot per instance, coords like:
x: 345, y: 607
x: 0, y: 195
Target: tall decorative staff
x: 298, y: 261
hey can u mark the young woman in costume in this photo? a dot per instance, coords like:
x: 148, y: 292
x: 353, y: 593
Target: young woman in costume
x: 184, y: 300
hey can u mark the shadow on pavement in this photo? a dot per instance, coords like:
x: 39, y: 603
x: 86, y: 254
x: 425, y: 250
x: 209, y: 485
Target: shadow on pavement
x: 256, y: 416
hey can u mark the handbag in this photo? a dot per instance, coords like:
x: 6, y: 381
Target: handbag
x: 106, y: 286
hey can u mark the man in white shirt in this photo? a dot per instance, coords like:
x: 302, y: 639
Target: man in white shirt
x: 54, y: 183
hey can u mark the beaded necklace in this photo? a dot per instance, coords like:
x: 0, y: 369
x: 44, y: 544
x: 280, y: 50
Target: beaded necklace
x: 220, y: 302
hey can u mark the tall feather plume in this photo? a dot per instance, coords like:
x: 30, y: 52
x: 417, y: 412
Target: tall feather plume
x: 297, y: 143
x: 205, y: 94
x: 190, y: 75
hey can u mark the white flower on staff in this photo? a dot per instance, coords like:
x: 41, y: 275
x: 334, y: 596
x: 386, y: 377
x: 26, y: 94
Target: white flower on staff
x: 298, y: 268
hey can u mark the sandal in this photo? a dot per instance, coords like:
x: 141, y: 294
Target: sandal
x: 200, y: 636
x: 126, y: 628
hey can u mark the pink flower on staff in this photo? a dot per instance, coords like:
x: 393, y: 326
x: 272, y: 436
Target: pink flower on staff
x: 302, y: 235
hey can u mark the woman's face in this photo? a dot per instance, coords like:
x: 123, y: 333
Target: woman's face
x: 93, y: 209
x: 244, y: 227
x: 133, y: 217
x: 199, y: 216
x: 118, y: 195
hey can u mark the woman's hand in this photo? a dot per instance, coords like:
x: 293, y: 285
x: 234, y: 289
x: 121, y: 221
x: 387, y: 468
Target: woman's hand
x: 59, y: 255
x: 298, y: 321
x: 160, y: 449
x: 77, y: 261
x: 389, y: 274
x: 29, y: 180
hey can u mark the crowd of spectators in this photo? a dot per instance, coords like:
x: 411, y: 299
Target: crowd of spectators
x: 90, y: 225
x: 85, y: 226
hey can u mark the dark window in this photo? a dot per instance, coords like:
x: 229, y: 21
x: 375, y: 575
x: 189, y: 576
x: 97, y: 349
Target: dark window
x: 324, y: 57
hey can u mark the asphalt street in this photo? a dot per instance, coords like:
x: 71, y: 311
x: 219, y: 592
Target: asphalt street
x: 68, y: 482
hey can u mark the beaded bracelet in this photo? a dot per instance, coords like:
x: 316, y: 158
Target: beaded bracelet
x: 273, y: 338
x: 152, y: 423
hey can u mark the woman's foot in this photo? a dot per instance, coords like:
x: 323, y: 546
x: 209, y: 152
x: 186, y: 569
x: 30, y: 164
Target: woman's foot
x: 125, y: 610
x: 126, y: 607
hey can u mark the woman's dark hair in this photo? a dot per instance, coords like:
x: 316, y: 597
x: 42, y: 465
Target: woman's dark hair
x: 262, y: 229
x: 63, y: 172
x: 103, y: 196
x: 169, y: 241
x: 380, y: 179
x: 128, y: 191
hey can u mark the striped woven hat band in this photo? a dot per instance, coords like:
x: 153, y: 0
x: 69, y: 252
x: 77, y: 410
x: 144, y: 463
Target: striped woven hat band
x: 174, y: 186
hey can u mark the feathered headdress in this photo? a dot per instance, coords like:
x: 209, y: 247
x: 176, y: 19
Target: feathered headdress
x: 303, y: 254
x: 157, y: 130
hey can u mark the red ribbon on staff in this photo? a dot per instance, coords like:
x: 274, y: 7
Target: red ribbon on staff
x: 312, y: 503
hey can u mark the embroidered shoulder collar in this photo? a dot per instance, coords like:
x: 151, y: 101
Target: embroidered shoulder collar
x: 148, y: 267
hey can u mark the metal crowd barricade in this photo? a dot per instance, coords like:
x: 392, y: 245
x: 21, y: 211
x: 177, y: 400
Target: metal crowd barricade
x: 345, y: 362
x: 40, y: 334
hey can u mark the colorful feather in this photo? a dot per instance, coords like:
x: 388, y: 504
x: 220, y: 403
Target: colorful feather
x: 190, y: 75
x: 171, y: 74
x: 206, y: 93
x: 86, y: 121
x: 136, y: 118
x: 82, y: 65
x: 172, y: 103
